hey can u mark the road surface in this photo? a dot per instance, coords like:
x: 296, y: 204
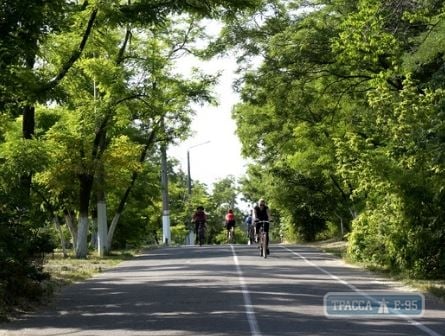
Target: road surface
x: 222, y: 290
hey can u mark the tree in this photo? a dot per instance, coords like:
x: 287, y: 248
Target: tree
x: 50, y: 55
x: 346, y: 99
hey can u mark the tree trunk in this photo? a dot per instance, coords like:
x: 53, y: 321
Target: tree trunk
x: 71, y: 227
x: 113, y: 225
x: 28, y: 131
x: 102, y: 241
x: 86, y: 184
x: 124, y: 198
x: 62, y: 238
x: 102, y: 245
x: 82, y: 236
x: 28, y: 126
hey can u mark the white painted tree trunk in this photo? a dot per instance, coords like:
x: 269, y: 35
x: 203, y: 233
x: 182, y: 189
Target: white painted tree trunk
x: 112, y: 229
x: 102, y: 239
x: 82, y: 237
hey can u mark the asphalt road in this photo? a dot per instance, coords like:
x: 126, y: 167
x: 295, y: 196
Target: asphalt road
x: 222, y: 290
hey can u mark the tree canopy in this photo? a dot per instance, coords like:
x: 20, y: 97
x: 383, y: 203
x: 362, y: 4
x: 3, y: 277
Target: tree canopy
x: 88, y: 96
x: 347, y: 102
x: 341, y: 114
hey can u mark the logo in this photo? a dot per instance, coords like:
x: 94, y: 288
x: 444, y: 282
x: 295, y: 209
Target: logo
x: 373, y: 304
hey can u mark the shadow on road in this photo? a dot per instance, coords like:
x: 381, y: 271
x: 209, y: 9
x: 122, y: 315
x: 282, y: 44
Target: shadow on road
x: 196, y: 291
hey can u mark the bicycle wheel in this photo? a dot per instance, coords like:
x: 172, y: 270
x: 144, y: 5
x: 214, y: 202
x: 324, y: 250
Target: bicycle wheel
x: 262, y: 251
x: 201, y: 237
x: 266, y: 244
x: 265, y: 248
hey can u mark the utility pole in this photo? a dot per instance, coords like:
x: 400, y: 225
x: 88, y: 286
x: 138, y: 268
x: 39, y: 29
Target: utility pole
x: 189, y: 177
x: 164, y: 188
x: 101, y: 214
x: 191, y: 236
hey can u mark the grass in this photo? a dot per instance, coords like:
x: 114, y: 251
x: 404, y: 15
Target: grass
x: 64, y: 271
x: 434, y: 287
x: 70, y: 269
x: 339, y: 247
x: 333, y: 246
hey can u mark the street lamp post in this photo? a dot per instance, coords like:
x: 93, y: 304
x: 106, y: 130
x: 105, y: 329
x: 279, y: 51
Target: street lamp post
x: 164, y: 189
x: 191, y: 236
x: 189, y: 178
x: 165, y: 205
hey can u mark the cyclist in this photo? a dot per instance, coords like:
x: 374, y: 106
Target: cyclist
x: 261, y: 212
x: 199, y: 218
x: 248, y: 222
x: 230, y: 224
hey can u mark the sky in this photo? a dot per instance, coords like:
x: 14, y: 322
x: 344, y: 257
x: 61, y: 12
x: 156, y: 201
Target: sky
x: 215, y: 150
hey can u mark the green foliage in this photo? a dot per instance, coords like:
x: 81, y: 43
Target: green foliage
x: 240, y: 236
x: 178, y: 233
x: 344, y: 119
x: 22, y: 249
x: 225, y: 192
x: 93, y: 86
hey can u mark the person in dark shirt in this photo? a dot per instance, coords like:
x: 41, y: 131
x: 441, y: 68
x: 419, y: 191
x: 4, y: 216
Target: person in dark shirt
x: 261, y: 213
x: 199, y: 218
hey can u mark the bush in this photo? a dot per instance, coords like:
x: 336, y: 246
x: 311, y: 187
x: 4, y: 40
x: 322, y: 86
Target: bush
x: 309, y: 225
x: 22, y: 250
x: 332, y: 231
x: 178, y: 233
x: 398, y: 236
x: 240, y: 237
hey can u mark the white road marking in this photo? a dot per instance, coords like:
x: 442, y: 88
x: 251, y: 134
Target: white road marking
x: 250, y: 313
x: 355, y: 289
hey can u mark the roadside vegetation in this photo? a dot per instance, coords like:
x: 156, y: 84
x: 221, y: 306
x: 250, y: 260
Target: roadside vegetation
x: 339, y: 248
x: 68, y: 270
x: 59, y: 271
x: 341, y: 117
x: 347, y: 99
x: 90, y: 97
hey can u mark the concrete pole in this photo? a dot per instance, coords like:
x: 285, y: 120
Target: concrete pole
x: 164, y: 188
x: 189, y: 178
x: 190, y: 240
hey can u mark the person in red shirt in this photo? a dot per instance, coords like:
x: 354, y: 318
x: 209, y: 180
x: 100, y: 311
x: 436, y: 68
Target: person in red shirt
x: 230, y: 225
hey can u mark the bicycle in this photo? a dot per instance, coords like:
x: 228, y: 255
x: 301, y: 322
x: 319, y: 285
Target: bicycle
x: 251, y: 235
x: 263, y: 240
x: 201, y: 233
x: 231, y: 235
